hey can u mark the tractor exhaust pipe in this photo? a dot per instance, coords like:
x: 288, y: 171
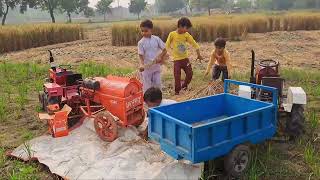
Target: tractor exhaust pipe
x: 51, y: 61
x: 253, y: 59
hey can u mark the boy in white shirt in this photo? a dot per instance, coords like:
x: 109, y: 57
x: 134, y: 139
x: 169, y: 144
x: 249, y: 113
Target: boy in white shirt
x: 153, y: 98
x: 152, y: 51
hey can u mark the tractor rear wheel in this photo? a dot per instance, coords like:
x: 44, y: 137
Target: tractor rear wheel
x: 106, y: 126
x: 237, y: 161
x: 295, y: 124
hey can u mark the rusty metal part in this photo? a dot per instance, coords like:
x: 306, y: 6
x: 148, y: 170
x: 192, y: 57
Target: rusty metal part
x: 106, y: 126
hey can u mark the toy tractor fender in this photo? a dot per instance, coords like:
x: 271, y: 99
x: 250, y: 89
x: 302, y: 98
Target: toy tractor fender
x: 295, y: 96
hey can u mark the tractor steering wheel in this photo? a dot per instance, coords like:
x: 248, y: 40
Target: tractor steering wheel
x: 268, y: 63
x: 65, y: 66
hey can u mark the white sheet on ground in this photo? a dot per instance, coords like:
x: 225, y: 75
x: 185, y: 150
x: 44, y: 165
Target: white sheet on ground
x: 82, y: 155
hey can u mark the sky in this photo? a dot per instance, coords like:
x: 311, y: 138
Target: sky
x: 123, y: 3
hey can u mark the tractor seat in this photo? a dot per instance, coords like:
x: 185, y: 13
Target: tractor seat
x: 72, y: 79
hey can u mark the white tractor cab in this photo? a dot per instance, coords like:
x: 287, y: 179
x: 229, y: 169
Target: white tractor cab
x: 266, y: 72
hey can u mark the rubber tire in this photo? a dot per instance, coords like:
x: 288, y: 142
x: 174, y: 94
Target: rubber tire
x: 105, y: 126
x: 230, y: 164
x: 295, y: 124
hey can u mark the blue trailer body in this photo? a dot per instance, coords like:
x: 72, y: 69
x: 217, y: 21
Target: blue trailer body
x: 204, y: 129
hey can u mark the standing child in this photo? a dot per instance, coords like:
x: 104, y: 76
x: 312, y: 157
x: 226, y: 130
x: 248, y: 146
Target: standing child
x: 151, y: 50
x: 220, y: 60
x: 177, y: 41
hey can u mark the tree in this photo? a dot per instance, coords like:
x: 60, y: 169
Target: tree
x: 187, y: 4
x: 244, y: 4
x: 169, y: 5
x: 103, y: 7
x: 89, y: 12
x: 47, y: 5
x: 282, y: 4
x: 73, y: 6
x: 137, y: 6
x: 6, y: 5
x: 209, y: 4
x: 264, y: 4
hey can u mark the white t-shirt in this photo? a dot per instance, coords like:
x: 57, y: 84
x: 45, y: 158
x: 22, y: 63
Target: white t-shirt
x: 165, y: 102
x: 150, y: 48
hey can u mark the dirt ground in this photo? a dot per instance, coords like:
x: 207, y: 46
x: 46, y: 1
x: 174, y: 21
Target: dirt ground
x: 300, y: 49
x: 292, y: 49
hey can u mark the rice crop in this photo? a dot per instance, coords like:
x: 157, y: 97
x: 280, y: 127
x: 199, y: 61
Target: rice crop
x: 19, y: 37
x: 231, y: 27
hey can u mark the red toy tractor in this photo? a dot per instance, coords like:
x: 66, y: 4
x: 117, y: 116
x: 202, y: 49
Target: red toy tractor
x: 68, y: 100
x: 266, y: 72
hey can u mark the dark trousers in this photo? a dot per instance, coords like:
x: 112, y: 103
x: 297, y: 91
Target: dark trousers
x: 216, y: 72
x: 187, y: 68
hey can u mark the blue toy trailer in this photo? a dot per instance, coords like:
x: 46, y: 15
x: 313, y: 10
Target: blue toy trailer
x: 207, y: 128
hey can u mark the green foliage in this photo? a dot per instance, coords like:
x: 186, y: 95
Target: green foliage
x: 23, y: 171
x: 93, y: 69
x: 210, y: 4
x: 166, y: 6
x: 313, y: 119
x: 264, y: 4
x: 5, y: 5
x: 103, y: 7
x: 73, y: 6
x: 89, y: 12
x: 137, y: 6
x: 244, y: 4
x: 3, y: 112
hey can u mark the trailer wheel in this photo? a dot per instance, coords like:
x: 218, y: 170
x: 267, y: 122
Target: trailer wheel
x: 237, y: 161
x: 295, y: 121
x: 105, y: 126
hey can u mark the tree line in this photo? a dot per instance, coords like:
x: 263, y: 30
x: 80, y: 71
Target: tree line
x: 103, y: 7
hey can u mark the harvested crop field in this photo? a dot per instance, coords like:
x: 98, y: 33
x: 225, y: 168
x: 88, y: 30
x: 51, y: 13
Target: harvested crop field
x: 297, y: 51
x: 292, y: 49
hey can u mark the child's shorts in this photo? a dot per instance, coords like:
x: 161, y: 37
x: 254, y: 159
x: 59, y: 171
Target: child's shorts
x: 217, y: 70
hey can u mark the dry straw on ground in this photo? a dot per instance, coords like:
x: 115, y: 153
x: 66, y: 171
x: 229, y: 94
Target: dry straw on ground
x: 232, y: 27
x: 13, y: 38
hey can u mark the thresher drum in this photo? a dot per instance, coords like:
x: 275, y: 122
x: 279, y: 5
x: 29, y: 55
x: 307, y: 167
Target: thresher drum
x: 123, y: 98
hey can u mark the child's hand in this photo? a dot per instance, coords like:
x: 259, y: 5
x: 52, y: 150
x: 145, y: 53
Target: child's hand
x: 200, y: 58
x: 141, y: 68
x: 158, y: 60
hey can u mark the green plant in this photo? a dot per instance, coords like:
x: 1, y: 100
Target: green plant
x: 3, y: 109
x: 94, y: 69
x: 2, y: 157
x: 309, y: 154
x: 22, y: 171
x: 313, y: 119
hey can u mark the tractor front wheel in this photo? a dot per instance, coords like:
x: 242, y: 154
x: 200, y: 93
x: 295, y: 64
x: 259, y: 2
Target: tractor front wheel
x: 105, y: 126
x: 295, y: 124
x: 237, y: 161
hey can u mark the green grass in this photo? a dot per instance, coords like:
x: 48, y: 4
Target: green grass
x: 3, y: 111
x: 93, y: 69
x: 313, y: 120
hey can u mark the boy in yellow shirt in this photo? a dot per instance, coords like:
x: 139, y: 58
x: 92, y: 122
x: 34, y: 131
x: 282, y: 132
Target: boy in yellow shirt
x: 177, y: 42
x: 220, y: 60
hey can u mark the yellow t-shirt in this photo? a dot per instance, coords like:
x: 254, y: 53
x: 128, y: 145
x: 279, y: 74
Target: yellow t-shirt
x: 178, y: 44
x: 225, y: 61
